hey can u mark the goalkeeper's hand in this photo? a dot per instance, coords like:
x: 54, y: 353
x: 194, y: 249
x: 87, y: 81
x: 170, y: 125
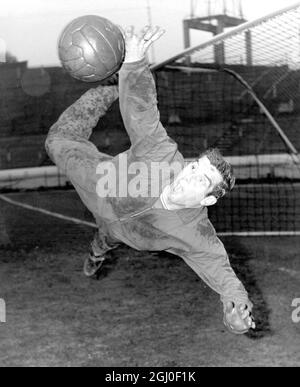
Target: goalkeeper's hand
x: 238, y: 318
x: 137, y: 44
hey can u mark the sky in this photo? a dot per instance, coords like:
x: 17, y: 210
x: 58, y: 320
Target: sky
x: 29, y: 29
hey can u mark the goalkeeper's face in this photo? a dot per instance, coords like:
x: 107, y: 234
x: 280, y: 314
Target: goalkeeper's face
x: 193, y: 186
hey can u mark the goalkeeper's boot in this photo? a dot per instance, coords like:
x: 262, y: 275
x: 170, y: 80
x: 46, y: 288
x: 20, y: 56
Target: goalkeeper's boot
x: 93, y: 264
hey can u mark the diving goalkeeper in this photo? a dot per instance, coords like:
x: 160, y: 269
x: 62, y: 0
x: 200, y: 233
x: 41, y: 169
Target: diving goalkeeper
x: 175, y: 218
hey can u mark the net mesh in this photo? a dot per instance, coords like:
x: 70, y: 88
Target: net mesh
x: 208, y: 98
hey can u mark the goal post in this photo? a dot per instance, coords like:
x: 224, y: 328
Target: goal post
x: 237, y: 31
x: 250, y: 110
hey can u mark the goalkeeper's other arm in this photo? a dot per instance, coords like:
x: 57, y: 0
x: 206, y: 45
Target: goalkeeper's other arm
x: 215, y: 270
x: 238, y: 318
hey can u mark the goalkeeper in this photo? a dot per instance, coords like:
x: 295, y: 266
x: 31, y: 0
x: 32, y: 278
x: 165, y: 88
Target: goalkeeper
x: 176, y: 219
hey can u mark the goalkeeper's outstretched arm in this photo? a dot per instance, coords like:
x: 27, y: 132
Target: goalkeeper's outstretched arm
x: 138, y: 97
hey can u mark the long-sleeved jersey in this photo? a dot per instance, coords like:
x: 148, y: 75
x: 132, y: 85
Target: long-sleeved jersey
x: 135, y: 221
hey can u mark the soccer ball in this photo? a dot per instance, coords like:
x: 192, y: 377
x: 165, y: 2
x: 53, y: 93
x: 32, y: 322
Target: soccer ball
x: 91, y: 48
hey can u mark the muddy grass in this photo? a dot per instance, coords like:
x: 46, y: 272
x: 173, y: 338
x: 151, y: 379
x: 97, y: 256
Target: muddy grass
x: 146, y: 310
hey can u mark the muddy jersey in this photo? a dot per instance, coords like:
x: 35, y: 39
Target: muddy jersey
x: 133, y: 219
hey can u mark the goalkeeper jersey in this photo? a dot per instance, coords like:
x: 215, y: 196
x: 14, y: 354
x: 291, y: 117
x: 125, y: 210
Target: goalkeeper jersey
x: 130, y: 218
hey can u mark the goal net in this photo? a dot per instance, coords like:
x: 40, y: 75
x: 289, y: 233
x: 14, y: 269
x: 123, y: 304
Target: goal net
x: 240, y: 92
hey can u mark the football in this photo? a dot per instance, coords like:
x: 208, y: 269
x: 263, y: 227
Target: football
x: 91, y: 48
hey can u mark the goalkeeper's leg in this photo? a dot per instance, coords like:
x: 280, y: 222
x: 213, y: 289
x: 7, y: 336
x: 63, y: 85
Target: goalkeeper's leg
x: 100, y: 246
x: 69, y: 147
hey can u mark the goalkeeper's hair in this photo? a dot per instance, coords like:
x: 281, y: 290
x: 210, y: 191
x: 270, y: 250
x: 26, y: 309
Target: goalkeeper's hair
x: 216, y: 159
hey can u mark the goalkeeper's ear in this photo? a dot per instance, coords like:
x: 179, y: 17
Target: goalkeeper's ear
x: 208, y: 201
